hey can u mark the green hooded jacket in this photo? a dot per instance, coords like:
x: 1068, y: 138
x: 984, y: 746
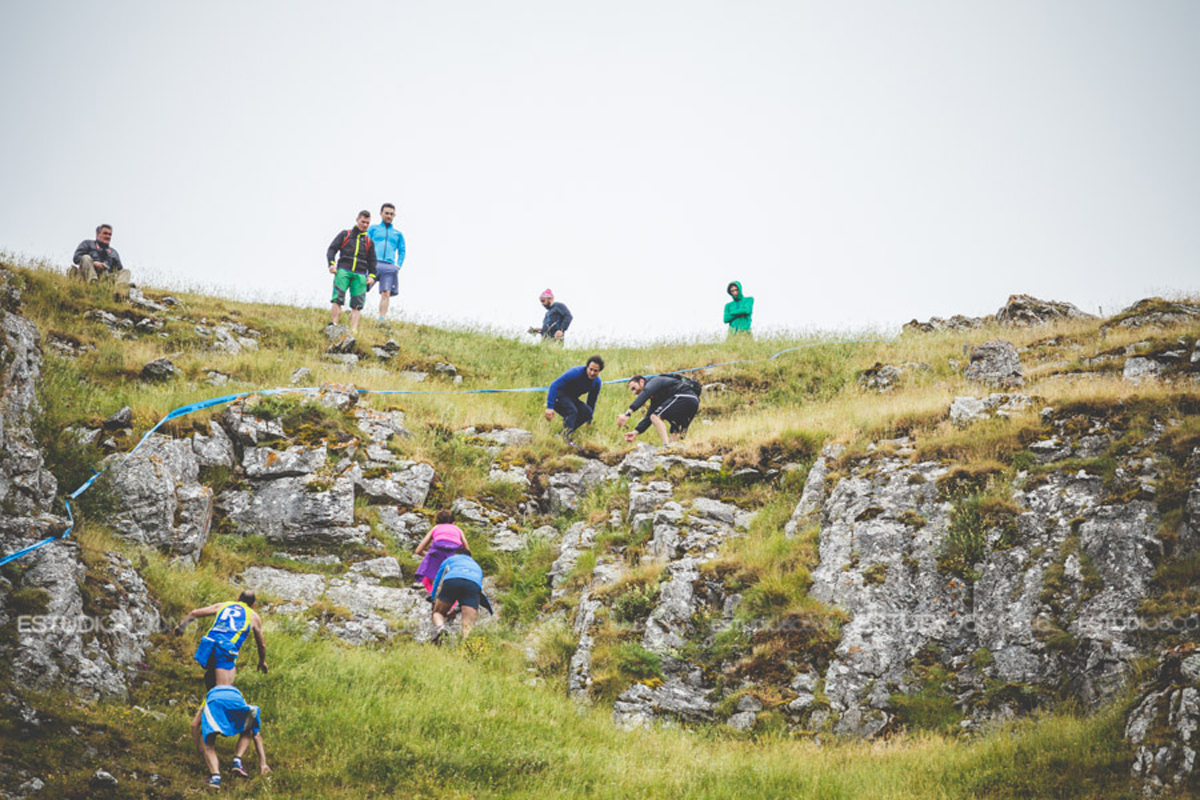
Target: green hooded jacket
x: 737, y: 312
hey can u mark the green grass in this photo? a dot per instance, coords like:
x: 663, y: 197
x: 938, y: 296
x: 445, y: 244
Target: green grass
x: 466, y: 721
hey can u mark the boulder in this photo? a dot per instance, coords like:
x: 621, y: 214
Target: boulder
x: 406, y: 483
x: 1155, y: 311
x: 239, y: 420
x: 300, y: 376
x: 297, y: 510
x: 160, y: 501
x: 215, y: 450
x: 1164, y: 726
x: 995, y: 363
x: 25, y: 485
x: 291, y: 587
x: 265, y: 463
x: 1022, y: 310
x: 564, y: 489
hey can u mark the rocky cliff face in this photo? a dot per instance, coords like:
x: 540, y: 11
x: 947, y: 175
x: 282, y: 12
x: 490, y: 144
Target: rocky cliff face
x: 66, y: 621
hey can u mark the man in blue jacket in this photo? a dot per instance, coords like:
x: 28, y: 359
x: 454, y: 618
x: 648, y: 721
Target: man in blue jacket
x: 557, y: 320
x: 563, y: 397
x: 389, y: 255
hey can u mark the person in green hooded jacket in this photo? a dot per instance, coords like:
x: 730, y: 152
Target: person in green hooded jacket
x: 738, y: 310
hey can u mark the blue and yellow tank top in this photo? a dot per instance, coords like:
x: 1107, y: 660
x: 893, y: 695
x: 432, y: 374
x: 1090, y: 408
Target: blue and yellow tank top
x: 231, y: 627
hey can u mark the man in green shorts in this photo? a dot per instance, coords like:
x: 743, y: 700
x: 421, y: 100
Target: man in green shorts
x: 351, y: 257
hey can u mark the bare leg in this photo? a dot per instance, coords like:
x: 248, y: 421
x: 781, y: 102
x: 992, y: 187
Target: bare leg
x: 243, y: 744
x: 209, y: 752
x: 335, y: 313
x: 468, y: 619
x: 354, y: 314
x: 196, y: 732
x: 384, y: 297
x: 661, y: 427
x: 440, y: 607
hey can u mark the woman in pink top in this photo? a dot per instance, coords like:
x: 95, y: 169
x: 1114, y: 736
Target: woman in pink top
x: 442, y: 540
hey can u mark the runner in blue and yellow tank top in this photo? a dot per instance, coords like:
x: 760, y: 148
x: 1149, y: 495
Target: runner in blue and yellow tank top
x: 218, y: 650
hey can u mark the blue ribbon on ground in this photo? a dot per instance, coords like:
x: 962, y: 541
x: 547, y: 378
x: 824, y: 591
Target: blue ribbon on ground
x: 192, y: 408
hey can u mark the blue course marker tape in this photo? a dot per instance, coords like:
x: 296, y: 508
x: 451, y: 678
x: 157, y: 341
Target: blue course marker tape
x: 192, y: 408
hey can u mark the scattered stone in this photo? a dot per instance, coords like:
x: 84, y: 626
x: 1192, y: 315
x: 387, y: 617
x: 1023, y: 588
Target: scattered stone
x: 1138, y: 369
x: 343, y: 346
x: 342, y: 397
x: 956, y: 323
x: 513, y: 474
x: 336, y: 333
x: 120, y: 420
x: 965, y: 411
x: 387, y: 350
x: 68, y: 346
x: 412, y: 375
x: 507, y: 437
x: 448, y: 370
x: 137, y: 298
x: 301, y: 375
x: 881, y: 377
x: 216, y: 377
x: 102, y: 780
x: 158, y: 370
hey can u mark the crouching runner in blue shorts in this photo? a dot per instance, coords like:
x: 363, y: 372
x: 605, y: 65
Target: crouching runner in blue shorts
x: 459, y: 580
x: 226, y: 713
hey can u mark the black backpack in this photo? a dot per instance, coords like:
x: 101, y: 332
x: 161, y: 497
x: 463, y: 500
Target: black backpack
x: 688, y: 385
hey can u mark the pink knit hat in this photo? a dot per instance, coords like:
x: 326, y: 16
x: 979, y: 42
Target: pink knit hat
x: 546, y: 295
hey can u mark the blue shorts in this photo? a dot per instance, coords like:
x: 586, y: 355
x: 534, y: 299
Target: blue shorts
x: 461, y: 591
x: 210, y: 654
x: 387, y: 277
x: 227, y: 713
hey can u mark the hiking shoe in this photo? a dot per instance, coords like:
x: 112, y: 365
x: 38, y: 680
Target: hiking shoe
x: 214, y: 783
x: 239, y: 770
x: 437, y: 636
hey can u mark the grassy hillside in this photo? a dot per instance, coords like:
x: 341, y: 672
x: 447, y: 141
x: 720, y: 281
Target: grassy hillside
x: 481, y: 719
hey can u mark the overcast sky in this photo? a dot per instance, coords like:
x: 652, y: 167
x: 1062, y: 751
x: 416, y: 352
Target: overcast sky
x: 854, y: 164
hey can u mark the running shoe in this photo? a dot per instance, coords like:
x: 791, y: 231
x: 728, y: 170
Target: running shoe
x: 214, y: 783
x: 239, y: 770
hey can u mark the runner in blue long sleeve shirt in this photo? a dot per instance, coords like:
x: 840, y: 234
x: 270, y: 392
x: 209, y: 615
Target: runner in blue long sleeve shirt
x: 564, y: 393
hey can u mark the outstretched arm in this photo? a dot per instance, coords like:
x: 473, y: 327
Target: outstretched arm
x: 424, y: 543
x: 207, y: 611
